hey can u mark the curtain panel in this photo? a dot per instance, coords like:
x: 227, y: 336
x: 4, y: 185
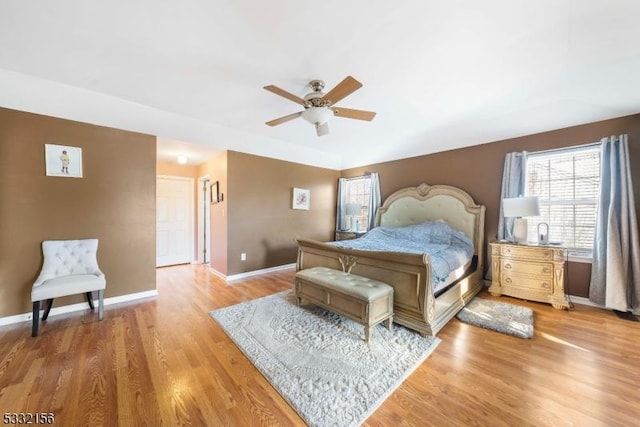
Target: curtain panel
x: 373, y: 202
x: 513, y: 181
x: 341, y: 211
x: 615, y: 270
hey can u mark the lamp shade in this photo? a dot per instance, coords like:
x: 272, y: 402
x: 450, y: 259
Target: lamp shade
x: 317, y: 115
x: 521, y: 207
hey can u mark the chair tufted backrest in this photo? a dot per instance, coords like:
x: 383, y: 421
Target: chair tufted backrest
x: 69, y: 257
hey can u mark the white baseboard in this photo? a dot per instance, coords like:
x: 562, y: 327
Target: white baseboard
x: 78, y: 307
x: 588, y: 302
x: 584, y: 301
x: 251, y: 273
x: 217, y: 273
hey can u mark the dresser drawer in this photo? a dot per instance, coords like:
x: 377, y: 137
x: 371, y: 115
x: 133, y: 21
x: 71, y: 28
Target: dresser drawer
x: 531, y: 283
x: 540, y: 269
x: 527, y: 252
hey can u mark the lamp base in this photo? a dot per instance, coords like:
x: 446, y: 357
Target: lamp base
x: 520, y: 230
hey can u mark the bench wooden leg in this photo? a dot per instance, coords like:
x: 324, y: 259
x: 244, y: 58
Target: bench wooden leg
x: 389, y: 322
x: 367, y: 333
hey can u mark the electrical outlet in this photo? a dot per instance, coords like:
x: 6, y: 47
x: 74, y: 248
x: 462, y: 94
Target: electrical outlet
x: 243, y: 256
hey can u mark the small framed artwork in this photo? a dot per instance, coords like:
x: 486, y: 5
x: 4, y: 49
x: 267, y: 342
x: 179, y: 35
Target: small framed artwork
x: 301, y: 198
x: 216, y: 196
x: 62, y: 160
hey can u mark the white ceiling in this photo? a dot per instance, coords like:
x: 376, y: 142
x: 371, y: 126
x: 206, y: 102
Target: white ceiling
x: 440, y: 75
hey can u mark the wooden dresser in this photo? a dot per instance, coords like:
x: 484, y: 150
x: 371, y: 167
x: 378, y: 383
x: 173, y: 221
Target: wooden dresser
x: 531, y: 272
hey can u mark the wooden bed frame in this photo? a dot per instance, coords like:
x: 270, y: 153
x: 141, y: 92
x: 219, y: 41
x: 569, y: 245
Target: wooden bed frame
x: 415, y: 305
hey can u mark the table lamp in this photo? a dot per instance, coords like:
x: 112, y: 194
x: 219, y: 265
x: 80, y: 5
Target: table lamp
x: 520, y: 208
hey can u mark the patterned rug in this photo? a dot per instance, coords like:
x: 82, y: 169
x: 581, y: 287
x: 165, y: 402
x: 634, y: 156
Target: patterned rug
x: 318, y: 361
x: 498, y: 316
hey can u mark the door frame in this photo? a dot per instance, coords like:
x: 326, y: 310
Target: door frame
x: 204, y: 220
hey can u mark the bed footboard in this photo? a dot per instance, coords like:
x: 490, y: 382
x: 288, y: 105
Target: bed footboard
x: 409, y: 274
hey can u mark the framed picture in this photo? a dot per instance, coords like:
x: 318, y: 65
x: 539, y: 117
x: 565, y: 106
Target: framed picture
x: 301, y: 198
x: 62, y: 160
x: 216, y: 196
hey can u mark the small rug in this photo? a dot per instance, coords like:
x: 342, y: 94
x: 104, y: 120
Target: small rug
x: 318, y: 361
x: 498, y: 316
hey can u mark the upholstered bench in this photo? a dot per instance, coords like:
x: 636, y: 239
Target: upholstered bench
x: 363, y: 300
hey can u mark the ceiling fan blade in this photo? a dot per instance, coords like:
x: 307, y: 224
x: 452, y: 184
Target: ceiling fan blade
x: 322, y: 129
x: 278, y: 121
x: 349, y: 113
x: 285, y: 94
x: 344, y: 88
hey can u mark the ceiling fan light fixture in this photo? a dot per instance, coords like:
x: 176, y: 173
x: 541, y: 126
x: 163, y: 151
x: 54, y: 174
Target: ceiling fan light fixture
x: 317, y: 115
x: 319, y: 107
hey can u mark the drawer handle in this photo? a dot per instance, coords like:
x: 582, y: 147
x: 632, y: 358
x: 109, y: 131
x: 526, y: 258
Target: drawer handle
x: 546, y: 270
x: 507, y: 266
x: 508, y: 280
x: 545, y: 285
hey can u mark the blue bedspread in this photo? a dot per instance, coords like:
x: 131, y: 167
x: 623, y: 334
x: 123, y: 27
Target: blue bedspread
x: 448, y: 248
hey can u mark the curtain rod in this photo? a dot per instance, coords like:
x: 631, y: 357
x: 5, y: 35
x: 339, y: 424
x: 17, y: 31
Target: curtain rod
x: 571, y: 147
x: 358, y: 177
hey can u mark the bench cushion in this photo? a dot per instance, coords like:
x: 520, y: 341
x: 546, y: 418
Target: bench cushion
x: 357, y: 286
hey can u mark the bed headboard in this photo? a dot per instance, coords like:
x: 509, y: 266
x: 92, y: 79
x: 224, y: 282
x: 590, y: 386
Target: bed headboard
x: 414, y: 205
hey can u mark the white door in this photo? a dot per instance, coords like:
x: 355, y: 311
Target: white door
x: 174, y: 217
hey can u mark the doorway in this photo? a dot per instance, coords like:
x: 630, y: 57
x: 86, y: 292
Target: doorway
x: 174, y: 220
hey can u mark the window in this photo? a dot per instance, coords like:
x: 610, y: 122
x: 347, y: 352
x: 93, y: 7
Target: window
x: 357, y: 191
x: 567, y: 182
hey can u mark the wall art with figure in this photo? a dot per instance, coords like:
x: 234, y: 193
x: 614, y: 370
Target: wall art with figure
x: 62, y: 160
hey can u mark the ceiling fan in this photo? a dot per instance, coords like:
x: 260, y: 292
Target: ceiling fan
x: 319, y: 107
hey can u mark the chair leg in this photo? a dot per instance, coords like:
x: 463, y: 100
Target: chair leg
x: 100, y: 304
x: 47, y: 308
x: 36, y: 315
x: 90, y: 300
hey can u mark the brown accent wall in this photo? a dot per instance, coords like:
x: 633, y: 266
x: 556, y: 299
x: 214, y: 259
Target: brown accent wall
x: 216, y: 170
x: 478, y: 170
x: 114, y: 202
x: 261, y: 220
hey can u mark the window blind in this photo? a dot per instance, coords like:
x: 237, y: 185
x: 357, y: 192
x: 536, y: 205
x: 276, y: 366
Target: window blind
x: 358, y: 190
x: 567, y: 183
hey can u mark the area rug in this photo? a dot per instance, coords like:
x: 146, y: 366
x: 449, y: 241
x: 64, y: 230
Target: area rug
x: 318, y: 361
x: 498, y: 316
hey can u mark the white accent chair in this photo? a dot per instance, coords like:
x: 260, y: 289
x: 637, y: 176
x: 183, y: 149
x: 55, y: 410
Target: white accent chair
x: 70, y: 267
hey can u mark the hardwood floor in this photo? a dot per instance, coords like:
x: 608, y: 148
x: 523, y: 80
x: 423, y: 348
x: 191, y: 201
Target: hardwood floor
x: 164, y: 361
